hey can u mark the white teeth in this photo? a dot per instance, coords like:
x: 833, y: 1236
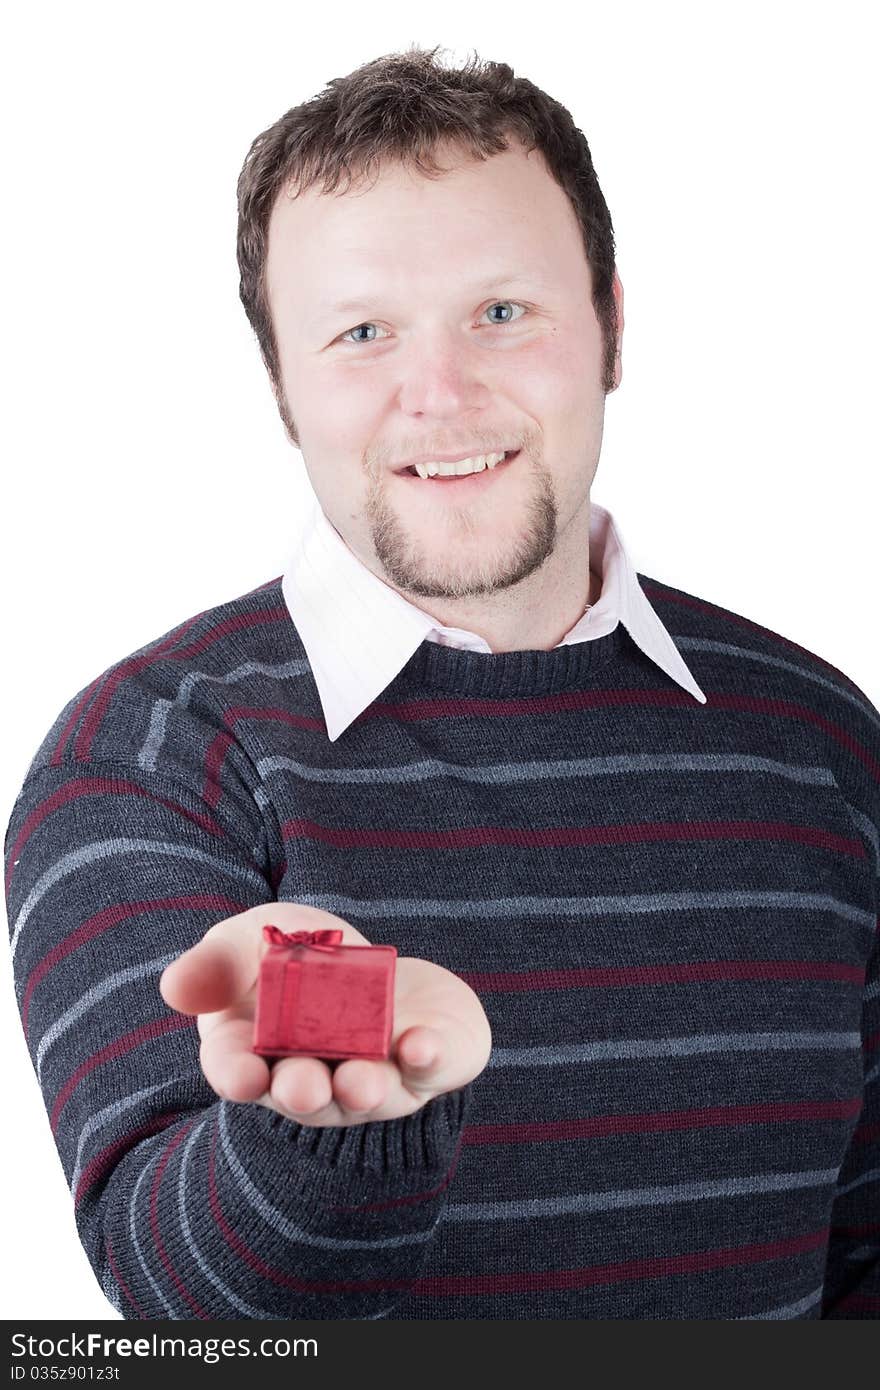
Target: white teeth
x: 459, y: 469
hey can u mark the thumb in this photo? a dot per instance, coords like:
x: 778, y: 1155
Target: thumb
x: 222, y: 968
x: 216, y: 972
x: 427, y: 1062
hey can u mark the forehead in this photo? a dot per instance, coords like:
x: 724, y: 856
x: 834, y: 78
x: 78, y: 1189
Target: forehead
x: 504, y: 211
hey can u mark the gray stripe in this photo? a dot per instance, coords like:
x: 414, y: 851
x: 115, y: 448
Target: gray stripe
x: 159, y: 714
x: 94, y: 996
x: 643, y: 1048
x: 499, y: 773
x: 137, y: 1245
x: 871, y: 1076
x: 866, y: 826
x: 701, y: 644
x: 467, y: 910
x: 149, y: 751
x: 864, y: 1252
x: 872, y: 1175
x: 280, y: 1223
x: 638, y: 1196
x: 111, y: 1289
x: 791, y: 1310
x: 246, y: 1309
x: 105, y: 849
x: 109, y: 1113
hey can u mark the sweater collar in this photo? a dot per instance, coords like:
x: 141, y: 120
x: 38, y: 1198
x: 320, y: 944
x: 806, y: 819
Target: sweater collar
x: 359, y: 633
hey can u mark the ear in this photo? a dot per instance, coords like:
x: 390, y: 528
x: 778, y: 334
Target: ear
x: 618, y: 361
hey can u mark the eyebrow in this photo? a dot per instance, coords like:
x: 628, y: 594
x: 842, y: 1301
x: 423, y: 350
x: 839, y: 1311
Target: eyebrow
x: 357, y: 306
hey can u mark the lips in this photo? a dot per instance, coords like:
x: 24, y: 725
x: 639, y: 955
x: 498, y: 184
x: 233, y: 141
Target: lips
x: 484, y: 473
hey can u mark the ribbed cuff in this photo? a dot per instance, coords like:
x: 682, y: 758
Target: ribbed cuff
x: 398, y: 1157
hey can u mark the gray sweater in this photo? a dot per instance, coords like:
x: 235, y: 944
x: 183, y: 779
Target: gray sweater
x: 668, y: 909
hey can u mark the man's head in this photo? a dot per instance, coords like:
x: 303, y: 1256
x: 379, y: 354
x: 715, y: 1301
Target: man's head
x: 457, y: 296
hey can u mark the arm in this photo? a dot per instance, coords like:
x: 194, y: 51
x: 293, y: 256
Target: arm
x: 852, y: 1274
x: 189, y: 1206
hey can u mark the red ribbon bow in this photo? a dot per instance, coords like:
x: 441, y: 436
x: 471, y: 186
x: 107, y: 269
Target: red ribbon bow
x: 324, y: 939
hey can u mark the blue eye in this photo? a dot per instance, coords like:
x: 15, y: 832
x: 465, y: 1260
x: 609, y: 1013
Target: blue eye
x: 498, y: 323
x: 357, y: 329
x: 500, y: 304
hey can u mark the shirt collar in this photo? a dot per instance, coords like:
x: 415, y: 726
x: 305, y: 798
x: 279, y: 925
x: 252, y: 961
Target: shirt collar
x: 359, y: 633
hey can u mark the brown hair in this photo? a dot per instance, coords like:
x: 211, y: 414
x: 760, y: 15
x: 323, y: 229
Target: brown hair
x: 398, y: 107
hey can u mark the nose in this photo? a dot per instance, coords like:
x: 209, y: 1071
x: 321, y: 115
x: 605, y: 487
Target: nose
x: 442, y: 377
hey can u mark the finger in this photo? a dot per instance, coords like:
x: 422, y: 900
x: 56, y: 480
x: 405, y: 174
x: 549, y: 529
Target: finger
x: 302, y: 1088
x: 222, y: 968
x: 365, y: 1089
x: 217, y: 972
x: 424, y: 1060
x: 361, y: 1086
x: 356, y: 1091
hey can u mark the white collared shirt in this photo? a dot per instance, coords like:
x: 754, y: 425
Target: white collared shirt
x: 359, y: 633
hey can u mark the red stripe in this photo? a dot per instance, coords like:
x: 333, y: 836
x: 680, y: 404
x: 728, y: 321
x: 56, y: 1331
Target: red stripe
x: 690, y: 972
x: 654, y: 1267
x: 56, y: 758
x: 577, y: 700
x: 659, y: 1266
x: 662, y: 1121
x: 110, y: 917
x: 244, y: 1252
x: 277, y: 715
x: 155, y: 650
x: 865, y: 1302
x: 562, y: 701
x: 106, y: 1158
x: 212, y: 790
x: 750, y: 704
x: 628, y: 833
x: 148, y: 1032
x: 525, y: 1281
x: 88, y: 786
x: 413, y: 1196
x: 217, y: 749
x: 121, y: 1282
x: 131, y: 666
x: 652, y: 590
x: 154, y: 1225
x: 289, y: 1281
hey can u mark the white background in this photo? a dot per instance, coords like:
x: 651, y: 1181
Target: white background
x: 146, y: 473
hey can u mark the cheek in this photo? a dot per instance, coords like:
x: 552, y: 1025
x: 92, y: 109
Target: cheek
x: 338, y: 413
x: 555, y: 379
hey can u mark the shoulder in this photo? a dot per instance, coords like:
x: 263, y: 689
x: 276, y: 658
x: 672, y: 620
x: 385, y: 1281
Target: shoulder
x: 746, y: 667
x: 170, y: 697
x: 739, y: 644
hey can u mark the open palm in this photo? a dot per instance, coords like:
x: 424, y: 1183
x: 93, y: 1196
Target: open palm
x: 440, y: 1038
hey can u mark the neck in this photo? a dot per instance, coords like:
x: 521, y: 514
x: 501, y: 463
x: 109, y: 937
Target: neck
x: 536, y: 614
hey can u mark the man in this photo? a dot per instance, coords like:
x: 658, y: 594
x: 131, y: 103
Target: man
x: 633, y: 1068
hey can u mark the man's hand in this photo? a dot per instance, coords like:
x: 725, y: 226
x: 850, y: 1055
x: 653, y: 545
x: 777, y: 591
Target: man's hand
x: 440, y: 1037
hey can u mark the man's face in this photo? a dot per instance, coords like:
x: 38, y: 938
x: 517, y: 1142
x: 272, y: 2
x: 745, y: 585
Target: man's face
x: 442, y: 318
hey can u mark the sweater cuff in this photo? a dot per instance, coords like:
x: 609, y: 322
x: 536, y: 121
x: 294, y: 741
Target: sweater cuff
x: 392, y: 1157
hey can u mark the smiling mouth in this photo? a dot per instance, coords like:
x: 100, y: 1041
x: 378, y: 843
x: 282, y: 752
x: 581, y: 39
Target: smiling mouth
x: 473, y: 478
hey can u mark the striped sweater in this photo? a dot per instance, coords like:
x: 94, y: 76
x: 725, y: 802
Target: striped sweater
x: 668, y: 909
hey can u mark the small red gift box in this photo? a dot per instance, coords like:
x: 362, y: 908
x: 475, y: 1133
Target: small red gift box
x: 318, y: 998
